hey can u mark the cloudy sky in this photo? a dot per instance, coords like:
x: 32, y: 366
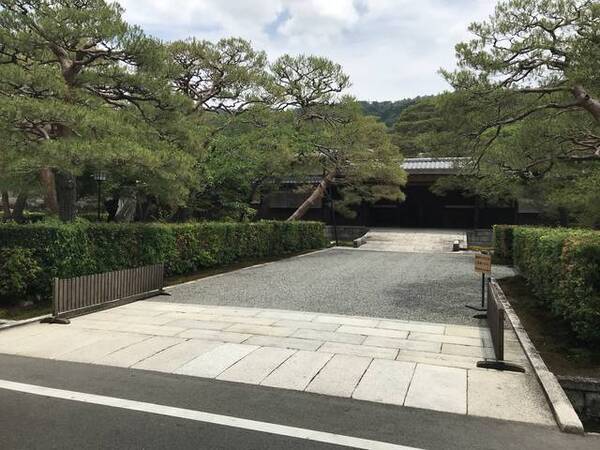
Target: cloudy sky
x: 391, y: 49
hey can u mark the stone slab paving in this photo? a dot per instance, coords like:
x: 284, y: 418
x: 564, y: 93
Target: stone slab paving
x: 412, y: 240
x: 439, y: 388
x: 386, y: 382
x: 414, y: 364
x: 298, y: 370
x: 340, y: 376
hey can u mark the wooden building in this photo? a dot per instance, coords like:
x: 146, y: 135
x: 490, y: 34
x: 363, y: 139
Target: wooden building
x: 422, y: 208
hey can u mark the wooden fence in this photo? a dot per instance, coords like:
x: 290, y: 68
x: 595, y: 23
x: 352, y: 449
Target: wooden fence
x: 73, y: 296
x: 495, y: 320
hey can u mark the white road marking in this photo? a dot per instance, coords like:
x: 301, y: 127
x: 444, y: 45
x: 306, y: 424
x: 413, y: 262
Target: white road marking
x: 201, y: 416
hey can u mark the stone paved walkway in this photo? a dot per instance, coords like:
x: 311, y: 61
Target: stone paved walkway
x: 415, y: 364
x: 412, y: 240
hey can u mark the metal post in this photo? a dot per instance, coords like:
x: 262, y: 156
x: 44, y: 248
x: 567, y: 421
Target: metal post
x: 482, y: 290
x: 56, y: 292
x: 99, y: 197
x: 482, y: 308
x: 55, y: 310
x: 335, y: 231
x: 99, y: 176
x: 161, y: 290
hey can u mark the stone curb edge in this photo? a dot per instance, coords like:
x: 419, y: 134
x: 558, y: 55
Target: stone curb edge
x: 564, y: 413
x: 360, y: 241
x: 18, y: 323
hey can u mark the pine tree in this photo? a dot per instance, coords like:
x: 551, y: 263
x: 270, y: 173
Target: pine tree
x: 79, y: 89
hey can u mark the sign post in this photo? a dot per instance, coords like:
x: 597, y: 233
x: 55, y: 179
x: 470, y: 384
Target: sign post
x: 483, y: 265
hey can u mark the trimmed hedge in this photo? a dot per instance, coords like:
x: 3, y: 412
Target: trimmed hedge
x: 18, y: 270
x: 503, y: 242
x: 68, y: 250
x: 563, y: 268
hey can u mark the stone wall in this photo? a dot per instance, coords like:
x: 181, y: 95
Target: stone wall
x: 584, y: 394
x: 480, y: 238
x: 345, y: 232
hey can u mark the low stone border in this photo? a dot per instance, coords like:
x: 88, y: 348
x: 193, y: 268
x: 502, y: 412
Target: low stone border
x: 584, y: 394
x: 360, y: 241
x: 18, y: 323
x: 564, y: 413
x: 480, y: 237
x: 345, y: 232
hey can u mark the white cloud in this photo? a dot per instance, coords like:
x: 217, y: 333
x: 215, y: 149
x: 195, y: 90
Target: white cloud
x: 390, y: 48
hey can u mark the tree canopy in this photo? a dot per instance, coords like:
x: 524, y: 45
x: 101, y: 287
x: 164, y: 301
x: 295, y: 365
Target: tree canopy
x: 79, y: 87
x: 526, y: 108
x: 415, y: 126
x: 189, y: 128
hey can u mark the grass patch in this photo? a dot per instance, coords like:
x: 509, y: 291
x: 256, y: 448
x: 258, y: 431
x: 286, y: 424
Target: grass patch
x: 561, y: 350
x: 16, y: 312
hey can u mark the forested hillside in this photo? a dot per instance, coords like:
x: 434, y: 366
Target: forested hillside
x: 387, y: 111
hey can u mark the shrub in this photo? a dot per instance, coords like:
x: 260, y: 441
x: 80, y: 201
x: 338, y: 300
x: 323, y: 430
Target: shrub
x: 68, y: 250
x: 563, y: 268
x: 18, y: 272
x: 579, y: 287
x: 536, y: 253
x: 503, y: 242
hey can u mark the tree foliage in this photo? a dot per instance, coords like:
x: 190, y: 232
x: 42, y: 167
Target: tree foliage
x: 333, y: 135
x: 416, y: 124
x: 79, y: 86
x: 388, y: 111
x: 189, y: 128
x: 526, y: 108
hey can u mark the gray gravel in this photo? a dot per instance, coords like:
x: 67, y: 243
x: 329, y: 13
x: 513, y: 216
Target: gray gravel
x: 409, y: 286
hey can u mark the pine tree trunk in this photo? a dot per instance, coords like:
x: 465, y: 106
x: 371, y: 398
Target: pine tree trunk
x: 127, y: 207
x: 19, y: 208
x: 47, y: 179
x: 66, y: 190
x: 315, y: 196
x: 6, y: 205
x: 587, y: 102
x: 253, y: 189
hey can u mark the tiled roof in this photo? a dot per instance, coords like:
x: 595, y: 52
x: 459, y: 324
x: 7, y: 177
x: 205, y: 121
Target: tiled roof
x: 448, y: 165
x: 307, y: 179
x: 434, y: 165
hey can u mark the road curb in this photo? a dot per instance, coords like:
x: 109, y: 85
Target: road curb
x: 564, y: 413
x: 18, y: 323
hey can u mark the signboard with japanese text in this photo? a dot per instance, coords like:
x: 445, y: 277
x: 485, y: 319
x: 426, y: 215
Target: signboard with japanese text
x: 483, y: 263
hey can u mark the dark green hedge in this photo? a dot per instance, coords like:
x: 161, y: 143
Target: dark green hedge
x: 580, y: 285
x: 503, y: 241
x: 67, y: 250
x: 563, y: 267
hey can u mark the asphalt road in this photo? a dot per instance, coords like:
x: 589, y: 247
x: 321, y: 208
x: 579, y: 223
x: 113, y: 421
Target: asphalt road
x: 37, y: 422
x: 431, y: 287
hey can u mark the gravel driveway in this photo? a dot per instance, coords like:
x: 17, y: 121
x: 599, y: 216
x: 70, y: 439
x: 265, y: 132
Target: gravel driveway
x: 410, y: 286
